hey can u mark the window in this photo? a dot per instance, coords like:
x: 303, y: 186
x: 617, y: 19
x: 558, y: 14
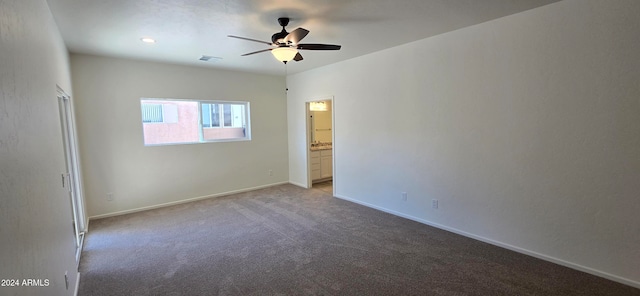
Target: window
x: 170, y: 121
x: 210, y: 115
x: 230, y: 126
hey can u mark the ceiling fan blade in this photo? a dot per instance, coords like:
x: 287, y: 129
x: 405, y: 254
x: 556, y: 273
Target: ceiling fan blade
x: 259, y: 51
x: 298, y: 57
x: 249, y: 39
x: 316, y: 46
x: 296, y: 35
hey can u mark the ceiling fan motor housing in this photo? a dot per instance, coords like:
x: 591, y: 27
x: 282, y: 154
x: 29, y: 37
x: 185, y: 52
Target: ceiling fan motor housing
x: 277, y: 37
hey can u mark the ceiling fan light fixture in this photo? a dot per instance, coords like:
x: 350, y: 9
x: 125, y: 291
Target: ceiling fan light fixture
x: 284, y: 54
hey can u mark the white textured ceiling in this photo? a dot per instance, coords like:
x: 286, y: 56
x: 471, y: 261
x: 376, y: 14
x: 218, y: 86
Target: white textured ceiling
x: 187, y: 29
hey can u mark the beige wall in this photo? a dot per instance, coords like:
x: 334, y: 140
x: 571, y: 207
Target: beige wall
x: 525, y: 128
x: 36, y: 238
x: 115, y: 160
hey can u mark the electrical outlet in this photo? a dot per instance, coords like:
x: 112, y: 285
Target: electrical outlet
x: 404, y: 196
x: 110, y: 196
x: 434, y: 203
x: 270, y: 172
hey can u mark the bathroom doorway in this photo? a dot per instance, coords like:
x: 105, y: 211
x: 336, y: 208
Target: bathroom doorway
x: 320, y: 143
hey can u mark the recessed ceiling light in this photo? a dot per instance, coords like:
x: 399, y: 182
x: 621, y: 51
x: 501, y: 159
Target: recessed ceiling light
x: 148, y: 40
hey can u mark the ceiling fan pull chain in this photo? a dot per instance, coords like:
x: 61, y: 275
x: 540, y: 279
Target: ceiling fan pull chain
x: 286, y: 88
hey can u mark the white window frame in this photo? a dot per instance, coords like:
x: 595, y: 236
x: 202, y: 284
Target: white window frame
x: 245, y: 114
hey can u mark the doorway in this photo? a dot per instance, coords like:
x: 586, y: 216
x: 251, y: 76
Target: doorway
x: 71, y: 177
x: 320, y: 142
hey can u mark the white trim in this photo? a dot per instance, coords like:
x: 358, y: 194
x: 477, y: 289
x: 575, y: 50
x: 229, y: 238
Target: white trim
x: 333, y: 146
x: 571, y: 265
x: 184, y: 201
x: 87, y: 230
x: 74, y: 173
x: 298, y: 184
x: 75, y: 293
x: 79, y: 187
x: 79, y: 249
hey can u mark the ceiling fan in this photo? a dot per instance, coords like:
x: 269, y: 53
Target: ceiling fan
x: 286, y: 45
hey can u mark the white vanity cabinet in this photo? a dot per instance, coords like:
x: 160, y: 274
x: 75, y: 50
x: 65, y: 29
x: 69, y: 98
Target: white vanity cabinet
x: 326, y: 164
x: 315, y: 165
x: 321, y: 164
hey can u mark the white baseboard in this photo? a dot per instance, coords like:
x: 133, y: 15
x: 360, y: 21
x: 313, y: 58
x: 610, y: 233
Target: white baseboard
x: 182, y: 201
x: 298, y: 184
x: 571, y: 265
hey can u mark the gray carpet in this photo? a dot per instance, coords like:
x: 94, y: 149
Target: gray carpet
x: 286, y: 240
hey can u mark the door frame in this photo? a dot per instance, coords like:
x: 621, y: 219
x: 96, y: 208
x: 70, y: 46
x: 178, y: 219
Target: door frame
x: 308, y: 139
x: 72, y: 163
